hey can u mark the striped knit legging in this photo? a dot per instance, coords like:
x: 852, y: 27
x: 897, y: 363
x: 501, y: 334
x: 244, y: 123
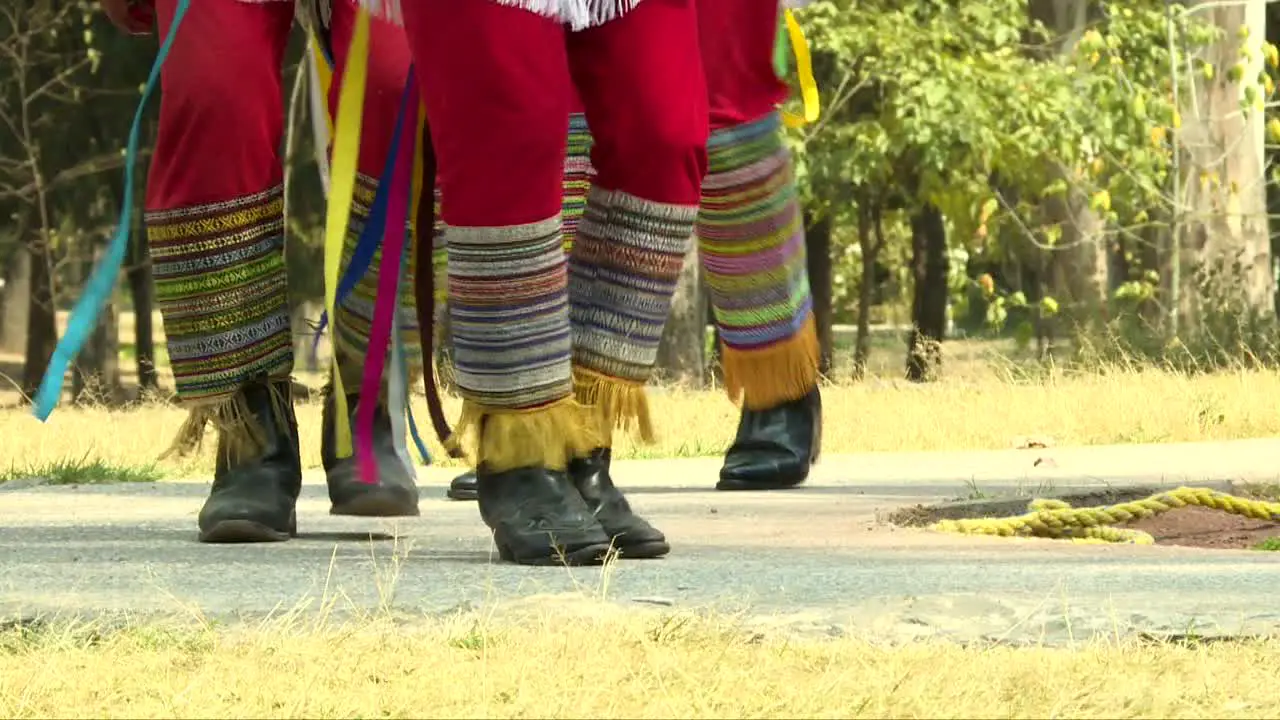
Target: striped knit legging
x: 751, y: 243
x: 751, y: 246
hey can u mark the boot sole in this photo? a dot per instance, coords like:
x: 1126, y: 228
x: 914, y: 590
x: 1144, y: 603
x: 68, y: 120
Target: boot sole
x: 777, y: 483
x: 462, y: 495
x: 590, y: 555
x: 644, y: 551
x: 375, y: 505
x: 243, y: 531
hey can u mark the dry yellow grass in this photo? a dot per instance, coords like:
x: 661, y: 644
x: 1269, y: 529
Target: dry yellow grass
x: 613, y: 665
x: 985, y: 411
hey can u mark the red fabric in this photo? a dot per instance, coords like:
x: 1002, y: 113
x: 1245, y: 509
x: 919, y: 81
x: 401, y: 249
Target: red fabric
x: 389, y: 62
x: 499, y: 116
x: 221, y: 105
x: 737, y: 39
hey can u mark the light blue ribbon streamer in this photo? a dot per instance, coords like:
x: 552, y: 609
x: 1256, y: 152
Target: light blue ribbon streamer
x: 84, y: 317
x: 398, y: 384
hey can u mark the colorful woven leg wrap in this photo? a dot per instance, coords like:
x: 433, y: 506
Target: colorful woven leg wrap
x: 623, y: 272
x: 355, y: 310
x: 577, y: 176
x: 509, y: 315
x: 222, y: 290
x: 751, y: 241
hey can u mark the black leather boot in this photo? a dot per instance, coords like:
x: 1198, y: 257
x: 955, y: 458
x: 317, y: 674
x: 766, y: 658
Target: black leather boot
x: 774, y: 448
x: 395, y: 495
x: 633, y: 536
x: 254, y: 499
x: 463, y: 487
x: 538, y: 518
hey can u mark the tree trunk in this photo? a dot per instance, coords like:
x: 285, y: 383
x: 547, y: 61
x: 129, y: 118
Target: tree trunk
x: 42, y: 320
x: 142, y: 292
x: 1078, y: 269
x: 1224, y: 245
x: 17, y: 302
x: 868, y: 222
x: 929, y: 265
x: 682, y: 352
x: 817, y: 234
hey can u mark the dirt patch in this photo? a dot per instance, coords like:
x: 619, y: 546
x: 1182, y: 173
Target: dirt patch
x: 1205, y: 528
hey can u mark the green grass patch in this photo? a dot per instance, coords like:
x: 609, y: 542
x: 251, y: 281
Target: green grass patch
x: 83, y: 471
x: 1271, y: 544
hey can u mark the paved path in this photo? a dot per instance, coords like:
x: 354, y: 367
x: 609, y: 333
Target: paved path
x: 813, y: 560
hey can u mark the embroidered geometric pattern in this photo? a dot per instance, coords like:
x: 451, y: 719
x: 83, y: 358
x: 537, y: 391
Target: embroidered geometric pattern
x: 509, y: 314
x: 222, y: 291
x: 623, y: 271
x: 355, y: 312
x: 751, y: 237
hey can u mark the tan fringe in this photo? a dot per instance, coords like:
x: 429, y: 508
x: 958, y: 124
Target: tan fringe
x: 503, y: 439
x: 766, y: 378
x: 614, y: 403
x: 239, y: 431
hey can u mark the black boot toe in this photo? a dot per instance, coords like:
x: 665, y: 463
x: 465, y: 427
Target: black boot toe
x: 632, y: 535
x: 463, y: 487
x: 538, y: 518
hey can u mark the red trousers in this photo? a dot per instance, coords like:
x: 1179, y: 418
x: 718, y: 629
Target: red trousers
x: 222, y: 112
x: 497, y: 83
x: 737, y: 38
x: 214, y: 197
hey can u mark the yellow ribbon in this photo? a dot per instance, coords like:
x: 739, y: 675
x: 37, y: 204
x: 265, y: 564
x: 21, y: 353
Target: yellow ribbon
x: 804, y: 67
x: 419, y: 170
x: 346, y: 153
x: 325, y: 74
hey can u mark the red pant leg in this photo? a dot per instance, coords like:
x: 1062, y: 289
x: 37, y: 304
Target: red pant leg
x: 215, y: 203
x: 222, y: 104
x: 738, y: 39
x: 389, y: 62
x: 387, y: 72
x: 496, y: 87
x: 645, y: 96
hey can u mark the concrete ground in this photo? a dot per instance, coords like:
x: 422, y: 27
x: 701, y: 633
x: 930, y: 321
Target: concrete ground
x: 816, y: 560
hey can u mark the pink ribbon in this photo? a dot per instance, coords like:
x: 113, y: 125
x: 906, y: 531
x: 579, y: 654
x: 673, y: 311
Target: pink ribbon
x: 384, y: 308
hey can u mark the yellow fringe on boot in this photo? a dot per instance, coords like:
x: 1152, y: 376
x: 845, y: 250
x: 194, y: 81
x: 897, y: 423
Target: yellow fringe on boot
x: 766, y: 378
x: 243, y: 435
x: 549, y: 436
x: 616, y: 404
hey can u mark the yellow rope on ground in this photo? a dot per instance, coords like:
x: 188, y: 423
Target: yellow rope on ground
x: 1048, y: 518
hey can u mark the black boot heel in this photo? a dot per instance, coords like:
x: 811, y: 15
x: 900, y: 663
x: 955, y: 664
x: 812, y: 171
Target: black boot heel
x: 774, y: 448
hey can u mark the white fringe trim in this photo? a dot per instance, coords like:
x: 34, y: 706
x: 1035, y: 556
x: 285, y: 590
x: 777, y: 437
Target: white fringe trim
x: 576, y: 14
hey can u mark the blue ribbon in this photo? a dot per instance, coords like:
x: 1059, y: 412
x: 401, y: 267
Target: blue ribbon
x: 84, y: 317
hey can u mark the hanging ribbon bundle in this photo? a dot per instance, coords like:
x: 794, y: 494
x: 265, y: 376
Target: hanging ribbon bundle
x: 399, y: 188
x: 400, y: 163
x: 790, y: 34
x: 84, y: 316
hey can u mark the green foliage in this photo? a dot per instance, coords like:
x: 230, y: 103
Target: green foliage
x: 1012, y: 129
